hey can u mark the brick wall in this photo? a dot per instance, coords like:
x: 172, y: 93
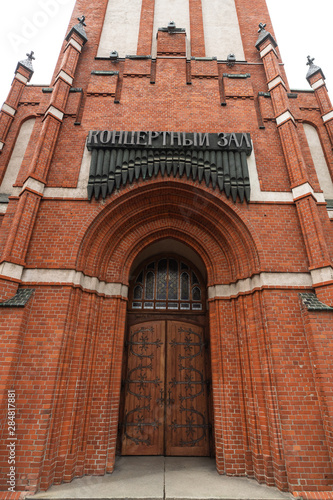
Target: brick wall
x: 272, y: 417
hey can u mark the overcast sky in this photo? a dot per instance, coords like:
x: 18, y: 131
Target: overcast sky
x: 302, y: 28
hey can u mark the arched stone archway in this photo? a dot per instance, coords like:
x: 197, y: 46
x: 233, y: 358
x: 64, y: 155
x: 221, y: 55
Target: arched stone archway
x: 169, y: 209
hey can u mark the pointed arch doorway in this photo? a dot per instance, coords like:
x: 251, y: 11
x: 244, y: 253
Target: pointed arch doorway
x: 165, y: 405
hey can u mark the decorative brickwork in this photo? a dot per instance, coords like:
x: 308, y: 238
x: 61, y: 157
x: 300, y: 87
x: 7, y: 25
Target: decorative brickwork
x: 68, y: 255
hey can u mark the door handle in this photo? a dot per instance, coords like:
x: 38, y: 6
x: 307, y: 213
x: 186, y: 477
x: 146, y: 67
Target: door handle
x: 170, y: 401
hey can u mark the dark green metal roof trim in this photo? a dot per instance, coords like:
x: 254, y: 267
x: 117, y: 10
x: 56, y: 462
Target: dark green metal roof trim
x: 312, y: 303
x: 20, y: 299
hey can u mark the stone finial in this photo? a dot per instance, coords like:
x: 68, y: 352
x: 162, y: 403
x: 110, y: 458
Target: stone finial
x: 27, y: 64
x: 31, y: 56
x: 81, y: 20
x: 79, y: 30
x: 114, y: 55
x: 171, y: 26
x: 313, y: 69
x: 231, y: 60
x: 264, y: 35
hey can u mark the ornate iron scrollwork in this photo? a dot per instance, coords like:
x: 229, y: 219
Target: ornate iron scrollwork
x: 189, y: 344
x: 143, y: 343
x: 193, y: 346
x: 191, y: 427
x: 136, y: 383
x: 139, y: 425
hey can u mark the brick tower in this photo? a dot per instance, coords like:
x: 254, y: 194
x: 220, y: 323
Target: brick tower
x: 166, y: 244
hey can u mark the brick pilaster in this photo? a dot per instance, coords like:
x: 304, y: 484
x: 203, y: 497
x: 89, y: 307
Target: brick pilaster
x: 316, y: 247
x: 27, y: 208
x: 197, y: 29
x: 316, y: 79
x: 23, y: 74
x: 146, y: 27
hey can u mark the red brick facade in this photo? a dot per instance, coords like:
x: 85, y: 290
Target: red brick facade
x: 267, y: 262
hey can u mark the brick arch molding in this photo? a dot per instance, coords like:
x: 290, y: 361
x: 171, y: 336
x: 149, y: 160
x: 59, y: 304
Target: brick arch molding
x: 211, y: 225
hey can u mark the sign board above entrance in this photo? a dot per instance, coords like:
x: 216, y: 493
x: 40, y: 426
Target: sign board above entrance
x: 170, y: 140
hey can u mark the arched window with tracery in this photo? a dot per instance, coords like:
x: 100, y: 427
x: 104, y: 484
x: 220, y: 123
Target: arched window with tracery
x: 167, y: 283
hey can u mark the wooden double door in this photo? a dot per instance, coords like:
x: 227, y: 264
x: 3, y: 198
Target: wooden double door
x: 165, y: 391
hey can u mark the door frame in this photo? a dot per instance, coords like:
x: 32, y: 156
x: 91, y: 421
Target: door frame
x: 199, y: 319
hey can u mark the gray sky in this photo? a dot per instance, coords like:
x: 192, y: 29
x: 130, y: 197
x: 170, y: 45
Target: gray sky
x: 302, y: 28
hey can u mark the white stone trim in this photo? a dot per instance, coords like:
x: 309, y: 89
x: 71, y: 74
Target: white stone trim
x: 320, y: 198
x: 284, y: 117
x: 10, y: 270
x: 305, y: 190
x: 275, y: 82
x: 327, y: 117
x: 35, y: 185
x: 256, y: 193
x: 65, y: 76
x: 75, y: 44
x: 1, y: 145
x: 3, y: 208
x: 8, y: 109
x: 55, y: 112
x: 20, y: 77
x: 302, y: 190
x: 318, y: 84
x: 266, y: 50
x: 222, y: 34
x: 123, y: 17
x: 330, y: 213
x: 75, y: 278
x: 267, y: 280
x: 80, y: 192
x: 322, y: 275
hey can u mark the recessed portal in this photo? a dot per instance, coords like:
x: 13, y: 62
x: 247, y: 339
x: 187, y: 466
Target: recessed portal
x: 165, y: 406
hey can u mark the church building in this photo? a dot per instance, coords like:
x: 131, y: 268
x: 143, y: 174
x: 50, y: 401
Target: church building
x: 166, y: 251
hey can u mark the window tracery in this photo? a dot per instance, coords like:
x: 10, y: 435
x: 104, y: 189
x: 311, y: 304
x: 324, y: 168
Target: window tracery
x: 167, y: 283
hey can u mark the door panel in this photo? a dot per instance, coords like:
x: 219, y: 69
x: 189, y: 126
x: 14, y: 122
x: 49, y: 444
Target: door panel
x: 143, y: 424
x: 166, y: 391
x: 186, y: 417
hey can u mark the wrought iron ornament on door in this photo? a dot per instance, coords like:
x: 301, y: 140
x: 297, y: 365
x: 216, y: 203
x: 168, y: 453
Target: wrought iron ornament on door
x: 165, y: 391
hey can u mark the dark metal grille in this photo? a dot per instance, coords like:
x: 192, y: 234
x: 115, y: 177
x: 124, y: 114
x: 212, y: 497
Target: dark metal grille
x: 167, y: 284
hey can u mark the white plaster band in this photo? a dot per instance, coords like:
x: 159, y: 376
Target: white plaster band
x: 266, y: 50
x: 10, y: 270
x: 268, y: 280
x: 62, y: 74
x: 305, y: 190
x: 284, y: 117
x: 22, y: 78
x: 328, y: 116
x: 3, y: 208
x: 323, y: 275
x: 318, y: 84
x: 1, y: 145
x: 34, y: 185
x: 75, y: 44
x: 55, y: 112
x: 75, y: 278
x: 8, y: 109
x: 302, y: 190
x: 275, y: 82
